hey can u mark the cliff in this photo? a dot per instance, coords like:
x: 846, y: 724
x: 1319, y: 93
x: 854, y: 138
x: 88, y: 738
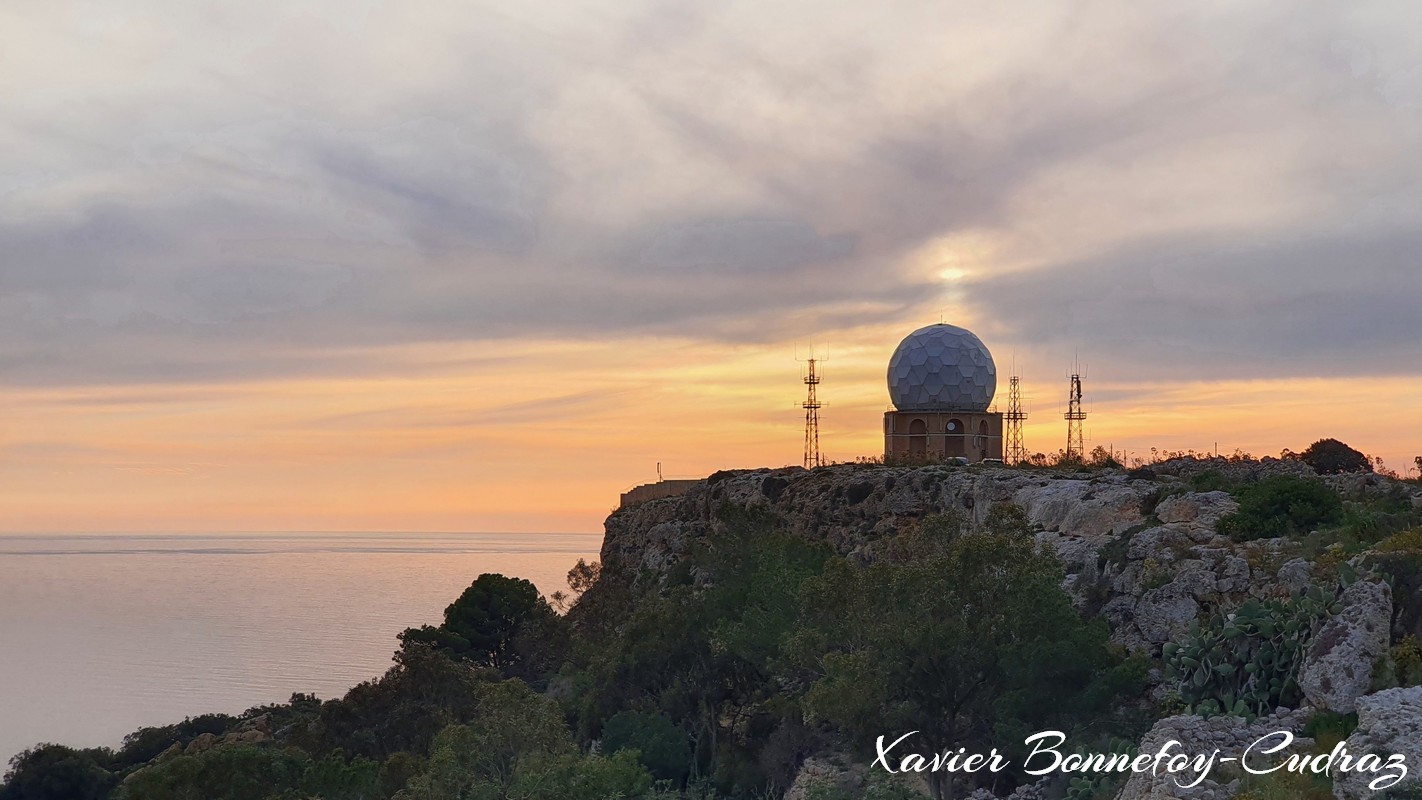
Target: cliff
x: 1140, y: 549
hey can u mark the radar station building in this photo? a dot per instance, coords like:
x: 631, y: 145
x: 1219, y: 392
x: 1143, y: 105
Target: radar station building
x: 941, y: 382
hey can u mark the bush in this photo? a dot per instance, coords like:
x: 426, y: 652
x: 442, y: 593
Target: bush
x: 1399, y: 559
x: 1211, y: 480
x: 1281, y: 505
x: 664, y: 749
x: 1332, y: 457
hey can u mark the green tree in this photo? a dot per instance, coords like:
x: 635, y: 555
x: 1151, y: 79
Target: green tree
x: 517, y: 747
x: 953, y: 636
x: 402, y: 711
x: 240, y: 772
x: 1332, y: 457
x: 397, y: 771
x: 580, y: 777
x: 56, y: 772
x: 335, y: 778
x: 662, y: 747
x: 484, y: 624
x: 478, y: 759
x: 582, y: 577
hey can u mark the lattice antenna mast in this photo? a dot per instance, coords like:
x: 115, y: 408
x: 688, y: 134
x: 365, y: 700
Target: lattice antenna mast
x: 1075, y: 417
x: 813, y: 458
x: 1016, y: 415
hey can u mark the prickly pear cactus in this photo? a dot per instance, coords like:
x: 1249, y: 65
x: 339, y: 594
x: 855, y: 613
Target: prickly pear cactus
x: 1246, y: 662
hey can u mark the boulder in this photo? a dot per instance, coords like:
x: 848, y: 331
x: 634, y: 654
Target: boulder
x: 830, y: 772
x: 1039, y: 790
x: 1338, y: 667
x: 1164, y: 613
x: 201, y: 742
x: 1388, y: 722
x: 1197, y: 735
x: 1296, y: 575
x: 248, y: 736
x: 1196, y: 509
x: 1081, y: 507
x: 1235, y: 575
x: 1161, y: 544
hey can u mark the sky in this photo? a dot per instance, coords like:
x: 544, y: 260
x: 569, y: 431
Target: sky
x: 483, y: 266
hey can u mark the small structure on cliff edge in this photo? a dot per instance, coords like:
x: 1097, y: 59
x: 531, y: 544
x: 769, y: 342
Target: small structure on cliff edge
x: 941, y: 381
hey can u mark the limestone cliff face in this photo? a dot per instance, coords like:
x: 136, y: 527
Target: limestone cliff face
x: 1142, y: 552
x: 856, y: 508
x: 851, y: 507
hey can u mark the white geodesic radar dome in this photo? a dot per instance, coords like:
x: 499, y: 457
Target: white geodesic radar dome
x: 942, y: 368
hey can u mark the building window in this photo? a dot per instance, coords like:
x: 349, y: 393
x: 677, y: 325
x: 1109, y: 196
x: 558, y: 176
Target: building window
x: 918, y: 438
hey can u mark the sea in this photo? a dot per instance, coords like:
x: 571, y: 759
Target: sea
x: 103, y: 634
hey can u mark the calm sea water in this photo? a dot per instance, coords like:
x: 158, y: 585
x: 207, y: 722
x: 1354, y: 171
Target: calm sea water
x: 100, y: 635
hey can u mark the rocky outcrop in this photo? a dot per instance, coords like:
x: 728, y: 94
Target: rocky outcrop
x: 831, y: 772
x: 1139, y: 549
x: 253, y: 731
x: 1031, y: 791
x: 201, y: 742
x: 1153, y: 583
x: 1149, y: 564
x: 1197, y: 735
x: 1338, y: 668
x: 855, y: 507
x: 1388, y: 722
x: 1232, y: 468
x: 1200, y: 512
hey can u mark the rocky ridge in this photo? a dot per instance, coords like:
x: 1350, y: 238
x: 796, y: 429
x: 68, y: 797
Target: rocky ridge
x: 1140, y: 549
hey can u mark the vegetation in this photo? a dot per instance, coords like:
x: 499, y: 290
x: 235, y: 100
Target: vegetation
x: 1246, y: 662
x: 714, y: 682
x: 962, y: 636
x: 653, y: 739
x: 1332, y: 457
x: 498, y: 622
x: 1282, y: 505
x: 716, y: 679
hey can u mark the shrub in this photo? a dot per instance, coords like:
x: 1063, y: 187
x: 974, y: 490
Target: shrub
x: 1399, y: 558
x: 1281, y: 505
x: 1332, y: 457
x: 1211, y: 480
x: 663, y: 748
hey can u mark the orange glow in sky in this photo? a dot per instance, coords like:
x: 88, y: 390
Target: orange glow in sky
x: 545, y: 436
x: 481, y: 267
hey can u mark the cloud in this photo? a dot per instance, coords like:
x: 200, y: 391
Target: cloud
x: 292, y: 189
x: 1322, y: 305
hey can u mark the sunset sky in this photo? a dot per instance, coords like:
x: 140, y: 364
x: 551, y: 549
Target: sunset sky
x: 481, y: 266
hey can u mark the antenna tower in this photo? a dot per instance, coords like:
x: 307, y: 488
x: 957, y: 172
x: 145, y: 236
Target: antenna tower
x: 1016, y: 415
x: 1075, y: 416
x: 812, y: 420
